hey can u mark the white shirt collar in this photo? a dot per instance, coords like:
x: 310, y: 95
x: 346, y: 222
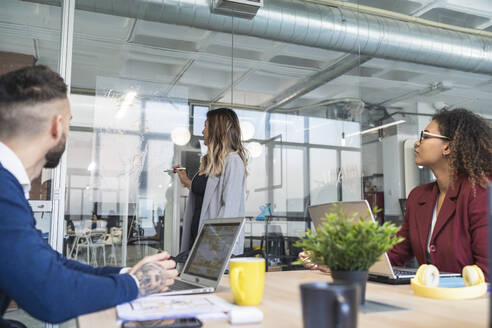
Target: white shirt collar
x: 12, y: 163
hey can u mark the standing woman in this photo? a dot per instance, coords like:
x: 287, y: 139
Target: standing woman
x: 446, y: 221
x: 218, y: 189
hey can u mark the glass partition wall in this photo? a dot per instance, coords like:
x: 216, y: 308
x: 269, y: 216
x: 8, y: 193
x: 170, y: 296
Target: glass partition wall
x: 116, y: 179
x: 141, y: 90
x: 140, y: 94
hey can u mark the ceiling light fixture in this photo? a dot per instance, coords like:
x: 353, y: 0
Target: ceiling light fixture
x: 180, y: 136
x: 247, y: 130
x: 255, y: 149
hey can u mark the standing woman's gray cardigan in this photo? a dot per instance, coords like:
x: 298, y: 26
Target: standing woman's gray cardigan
x: 224, y: 198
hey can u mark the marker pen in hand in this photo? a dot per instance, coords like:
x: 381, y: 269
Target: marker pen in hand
x: 177, y: 169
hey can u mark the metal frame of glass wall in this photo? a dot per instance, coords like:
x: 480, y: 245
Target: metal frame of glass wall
x: 59, y: 173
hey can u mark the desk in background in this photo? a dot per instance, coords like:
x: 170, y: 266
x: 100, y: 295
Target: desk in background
x: 282, y: 308
x: 276, y: 235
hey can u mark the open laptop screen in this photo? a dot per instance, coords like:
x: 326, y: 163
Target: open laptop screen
x: 211, y: 250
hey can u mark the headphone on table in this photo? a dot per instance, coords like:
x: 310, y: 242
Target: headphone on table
x: 426, y: 283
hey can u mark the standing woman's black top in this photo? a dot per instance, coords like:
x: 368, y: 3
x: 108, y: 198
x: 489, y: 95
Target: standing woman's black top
x: 198, y: 185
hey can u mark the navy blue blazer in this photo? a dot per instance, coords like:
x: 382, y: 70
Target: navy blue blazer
x: 44, y: 283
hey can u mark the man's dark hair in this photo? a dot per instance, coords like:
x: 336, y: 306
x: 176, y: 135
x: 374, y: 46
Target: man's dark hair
x: 20, y: 92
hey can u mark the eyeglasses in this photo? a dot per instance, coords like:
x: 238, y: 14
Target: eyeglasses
x: 422, y: 133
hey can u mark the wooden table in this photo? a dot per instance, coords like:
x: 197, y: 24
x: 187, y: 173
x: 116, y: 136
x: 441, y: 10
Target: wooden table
x: 282, y: 307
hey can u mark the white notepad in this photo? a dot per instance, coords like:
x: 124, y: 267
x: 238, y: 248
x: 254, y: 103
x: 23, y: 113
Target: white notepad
x: 156, y: 307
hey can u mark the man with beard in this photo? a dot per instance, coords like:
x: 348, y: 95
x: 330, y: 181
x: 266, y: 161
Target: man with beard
x: 34, y: 124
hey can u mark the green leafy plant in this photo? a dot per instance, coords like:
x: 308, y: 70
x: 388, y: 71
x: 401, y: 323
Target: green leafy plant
x: 348, y: 242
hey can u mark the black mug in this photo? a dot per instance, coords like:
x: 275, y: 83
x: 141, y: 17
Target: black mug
x: 327, y: 305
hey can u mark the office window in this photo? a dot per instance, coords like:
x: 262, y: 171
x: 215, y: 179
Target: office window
x: 323, y: 176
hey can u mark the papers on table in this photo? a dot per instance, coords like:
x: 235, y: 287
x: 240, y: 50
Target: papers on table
x: 156, y: 307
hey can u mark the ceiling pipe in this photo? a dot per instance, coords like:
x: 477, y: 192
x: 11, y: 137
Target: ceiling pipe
x: 315, y: 25
x: 338, y: 68
x: 432, y: 89
x: 360, y: 104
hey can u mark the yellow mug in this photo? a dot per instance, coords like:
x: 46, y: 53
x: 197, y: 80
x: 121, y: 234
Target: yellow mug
x: 247, y: 280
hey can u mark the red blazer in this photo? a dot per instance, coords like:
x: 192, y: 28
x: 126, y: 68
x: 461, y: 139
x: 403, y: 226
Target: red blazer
x: 460, y: 233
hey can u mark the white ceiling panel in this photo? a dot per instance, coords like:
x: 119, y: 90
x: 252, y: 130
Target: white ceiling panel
x: 399, y: 6
x: 243, y: 41
x: 168, y: 31
x: 25, y: 13
x: 262, y: 82
x: 226, y: 51
x: 147, y: 71
x: 453, y: 17
x: 210, y: 75
x: 200, y: 92
x: 102, y: 26
x: 246, y: 98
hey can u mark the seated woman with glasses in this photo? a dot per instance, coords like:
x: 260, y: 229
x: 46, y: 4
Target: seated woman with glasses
x: 446, y: 221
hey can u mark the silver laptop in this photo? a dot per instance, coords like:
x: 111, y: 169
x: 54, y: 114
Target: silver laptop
x: 381, y: 271
x: 208, y: 257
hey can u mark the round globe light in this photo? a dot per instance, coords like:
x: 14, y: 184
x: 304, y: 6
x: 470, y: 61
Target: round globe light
x: 247, y: 130
x: 255, y: 149
x: 180, y: 136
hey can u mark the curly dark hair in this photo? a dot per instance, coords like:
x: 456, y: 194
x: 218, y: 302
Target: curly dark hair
x: 471, y: 144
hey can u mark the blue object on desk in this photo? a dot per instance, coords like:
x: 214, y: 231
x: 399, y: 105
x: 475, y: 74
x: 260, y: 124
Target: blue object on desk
x: 451, y: 282
x: 454, y: 282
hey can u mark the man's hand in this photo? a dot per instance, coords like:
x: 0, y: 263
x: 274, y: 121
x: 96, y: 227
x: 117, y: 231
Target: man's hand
x: 154, y: 273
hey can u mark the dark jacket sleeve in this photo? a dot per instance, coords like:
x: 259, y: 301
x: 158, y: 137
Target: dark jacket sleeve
x: 99, y: 271
x: 402, y: 252
x: 40, y: 280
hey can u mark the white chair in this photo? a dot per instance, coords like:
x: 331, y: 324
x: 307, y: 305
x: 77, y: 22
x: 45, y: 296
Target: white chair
x: 97, y: 241
x: 90, y: 239
x: 82, y: 240
x: 101, y: 225
x: 113, y: 238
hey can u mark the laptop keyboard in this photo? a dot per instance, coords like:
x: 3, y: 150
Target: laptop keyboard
x: 403, y: 272
x: 181, y: 285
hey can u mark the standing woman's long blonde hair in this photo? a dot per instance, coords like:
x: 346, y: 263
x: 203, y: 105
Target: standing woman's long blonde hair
x: 224, y: 137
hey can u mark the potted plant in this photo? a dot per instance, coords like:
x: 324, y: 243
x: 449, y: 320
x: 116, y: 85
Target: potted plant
x: 349, y: 244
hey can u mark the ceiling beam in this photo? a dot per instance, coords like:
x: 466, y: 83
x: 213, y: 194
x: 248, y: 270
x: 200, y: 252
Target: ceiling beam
x: 176, y: 79
x: 222, y: 92
x: 341, y: 66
